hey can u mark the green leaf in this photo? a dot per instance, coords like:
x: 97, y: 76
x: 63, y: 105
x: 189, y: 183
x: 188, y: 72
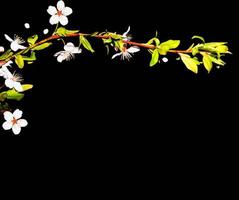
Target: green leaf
x: 166, y: 46
x: 199, y: 37
x: 189, y: 62
x: 14, y: 95
x: 214, y: 44
x: 6, y: 55
x: 207, y: 62
x: 42, y: 46
x: 217, y: 61
x: 222, y: 49
x: 31, y: 58
x: 154, y: 58
x: 19, y: 61
x: 26, y: 87
x: 63, y: 31
x: 86, y: 44
x: 3, y: 96
x: 195, y: 51
x: 154, y: 40
x: 32, y: 40
x: 107, y: 41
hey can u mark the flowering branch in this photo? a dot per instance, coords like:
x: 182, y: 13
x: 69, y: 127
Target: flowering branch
x: 22, y: 52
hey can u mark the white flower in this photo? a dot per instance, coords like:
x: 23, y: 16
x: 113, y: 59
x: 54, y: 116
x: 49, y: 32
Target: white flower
x: 126, y: 53
x: 14, y: 121
x: 125, y: 35
x: 164, y: 59
x: 2, y: 49
x: 16, y: 43
x: 69, y: 52
x: 4, y: 70
x: 59, y: 14
x: 27, y: 25
x: 45, y: 31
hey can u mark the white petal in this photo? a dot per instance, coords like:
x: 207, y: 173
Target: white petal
x: 52, y: 10
x: 9, y: 83
x: 125, y: 33
x: 14, y: 46
x: 60, y: 5
x: 27, y: 25
x: 60, y: 58
x: 17, y: 114
x: 8, y: 116
x: 133, y: 49
x: 7, y: 73
x: 8, y: 38
x: 115, y: 55
x: 54, y: 19
x: 165, y: 59
x: 21, y: 47
x: 67, y: 11
x: 69, y: 47
x: 45, y: 31
x: 7, y: 125
x: 16, y: 129
x: 18, y: 86
x: 63, y: 20
x: 2, y: 49
x: 22, y: 122
x: 77, y: 50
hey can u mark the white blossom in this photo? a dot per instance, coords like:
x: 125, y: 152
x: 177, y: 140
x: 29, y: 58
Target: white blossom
x: 14, y: 121
x: 59, y: 13
x: 68, y: 53
x: 45, y: 31
x: 126, y: 53
x: 164, y: 59
x: 16, y: 42
x: 27, y: 25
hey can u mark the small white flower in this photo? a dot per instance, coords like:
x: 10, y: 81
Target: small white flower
x: 45, y: 31
x: 164, y: 59
x: 68, y: 53
x: 59, y: 13
x: 126, y: 53
x: 27, y: 25
x: 14, y: 121
x: 2, y: 49
x: 16, y: 43
x: 4, y: 70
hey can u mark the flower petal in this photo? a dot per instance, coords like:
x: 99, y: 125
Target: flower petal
x: 16, y: 129
x: 14, y: 46
x: 115, y: 55
x: 67, y: 11
x: 8, y: 38
x: 77, y: 50
x: 7, y: 125
x: 125, y: 33
x: 22, y: 122
x: 60, y: 58
x: 133, y: 49
x: 8, y: 116
x: 2, y: 49
x: 69, y: 47
x: 9, y: 83
x: 17, y: 114
x: 52, y: 10
x: 18, y: 86
x: 60, y: 5
x: 63, y: 20
x: 21, y: 47
x: 54, y: 19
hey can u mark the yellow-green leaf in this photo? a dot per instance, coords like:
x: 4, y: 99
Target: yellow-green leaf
x: 189, y: 62
x: 199, y: 37
x: 14, y: 95
x: 26, y: 87
x: 6, y: 54
x: 63, y: 31
x: 86, y: 44
x: 222, y: 49
x: 32, y: 40
x: 154, y: 58
x: 207, y: 62
x: 19, y: 61
x: 42, y: 46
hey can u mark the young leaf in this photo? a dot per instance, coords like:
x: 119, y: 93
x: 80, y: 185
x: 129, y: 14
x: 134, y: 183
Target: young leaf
x: 217, y: 61
x: 154, y: 58
x: 166, y: 46
x: 26, y: 87
x: 31, y: 58
x: 207, y: 62
x: 189, y: 62
x: 3, y: 96
x: 63, y: 31
x: 86, y: 44
x: 199, y: 37
x: 32, y: 40
x: 154, y: 40
x: 42, y: 46
x: 6, y: 54
x: 222, y: 49
x: 14, y: 95
x: 19, y: 61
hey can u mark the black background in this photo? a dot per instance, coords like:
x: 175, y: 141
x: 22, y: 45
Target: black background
x: 95, y: 97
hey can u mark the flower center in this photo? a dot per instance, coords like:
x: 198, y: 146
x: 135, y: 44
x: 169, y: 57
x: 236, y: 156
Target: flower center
x: 14, y: 121
x: 59, y: 13
x: 124, y: 49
